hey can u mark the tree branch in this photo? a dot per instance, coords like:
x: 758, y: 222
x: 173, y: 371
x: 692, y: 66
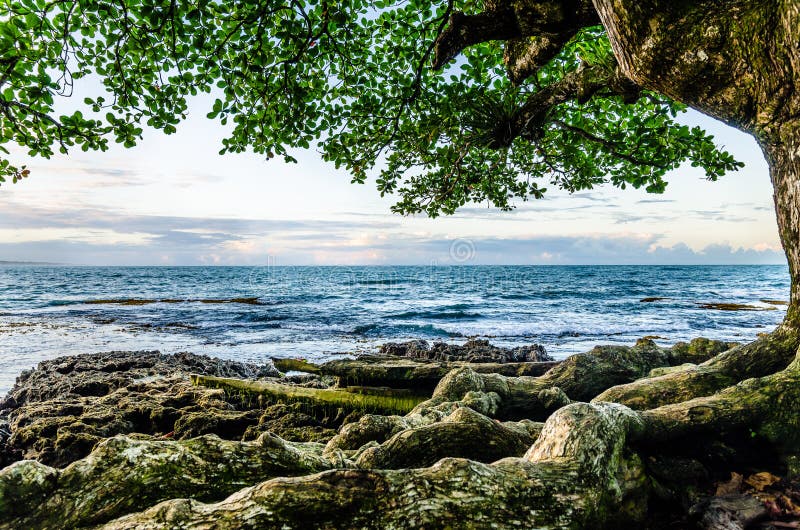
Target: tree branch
x: 557, y: 20
x: 612, y: 147
x: 580, y: 85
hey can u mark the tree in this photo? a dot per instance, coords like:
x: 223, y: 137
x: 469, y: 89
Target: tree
x: 457, y: 102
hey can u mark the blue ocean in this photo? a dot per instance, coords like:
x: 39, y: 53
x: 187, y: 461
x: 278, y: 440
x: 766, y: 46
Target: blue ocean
x: 319, y: 313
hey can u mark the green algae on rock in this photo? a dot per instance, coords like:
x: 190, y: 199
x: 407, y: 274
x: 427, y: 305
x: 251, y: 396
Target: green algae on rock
x: 295, y: 365
x: 727, y: 306
x: 270, y: 392
x: 774, y: 302
x: 146, y: 301
x: 59, y: 411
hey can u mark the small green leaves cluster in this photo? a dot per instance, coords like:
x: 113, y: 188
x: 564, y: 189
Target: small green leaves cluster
x: 350, y: 78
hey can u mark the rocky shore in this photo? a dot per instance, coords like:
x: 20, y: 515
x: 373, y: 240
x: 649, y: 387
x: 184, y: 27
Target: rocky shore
x: 58, y: 412
x: 123, y: 439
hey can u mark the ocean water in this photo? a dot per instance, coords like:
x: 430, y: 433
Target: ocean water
x: 320, y: 313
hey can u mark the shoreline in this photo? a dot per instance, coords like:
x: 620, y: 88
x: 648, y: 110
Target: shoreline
x: 108, y: 423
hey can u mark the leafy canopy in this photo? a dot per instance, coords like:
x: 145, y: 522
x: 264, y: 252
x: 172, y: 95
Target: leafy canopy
x: 351, y: 78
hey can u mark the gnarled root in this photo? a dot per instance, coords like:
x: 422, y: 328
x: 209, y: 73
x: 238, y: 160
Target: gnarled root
x: 765, y: 356
x: 584, y: 467
x: 581, y: 472
x: 575, y: 476
x: 497, y: 396
x: 124, y: 474
x: 464, y: 434
x: 766, y: 406
x: 578, y: 378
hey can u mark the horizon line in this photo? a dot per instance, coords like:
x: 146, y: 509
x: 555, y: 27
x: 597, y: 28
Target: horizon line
x: 66, y: 264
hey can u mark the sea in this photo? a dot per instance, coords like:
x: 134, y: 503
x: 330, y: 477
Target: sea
x: 322, y: 313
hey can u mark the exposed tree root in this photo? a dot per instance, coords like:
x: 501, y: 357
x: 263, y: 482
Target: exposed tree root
x: 464, y: 434
x: 767, y: 406
x: 568, y: 479
x: 765, y: 356
x: 124, y: 474
x: 580, y: 472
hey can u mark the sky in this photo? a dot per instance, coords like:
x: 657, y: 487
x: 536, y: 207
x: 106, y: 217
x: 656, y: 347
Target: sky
x: 173, y: 200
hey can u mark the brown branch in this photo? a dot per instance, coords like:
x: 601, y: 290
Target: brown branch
x: 579, y: 85
x: 506, y: 20
x: 523, y: 57
x: 467, y: 30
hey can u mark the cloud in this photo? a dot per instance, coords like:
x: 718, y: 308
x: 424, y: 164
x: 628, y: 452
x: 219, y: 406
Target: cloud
x: 590, y: 197
x: 181, y: 248
x: 103, y: 237
x: 556, y: 250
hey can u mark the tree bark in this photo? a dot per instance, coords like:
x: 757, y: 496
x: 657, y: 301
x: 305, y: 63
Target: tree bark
x: 124, y: 474
x: 570, y: 478
x: 717, y: 58
x: 783, y: 155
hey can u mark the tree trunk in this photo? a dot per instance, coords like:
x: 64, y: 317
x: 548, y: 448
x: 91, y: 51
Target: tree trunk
x: 717, y: 58
x: 783, y: 155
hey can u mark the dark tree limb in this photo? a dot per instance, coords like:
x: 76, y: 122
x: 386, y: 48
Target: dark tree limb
x: 558, y: 20
x: 467, y: 30
x: 580, y: 85
x: 524, y: 56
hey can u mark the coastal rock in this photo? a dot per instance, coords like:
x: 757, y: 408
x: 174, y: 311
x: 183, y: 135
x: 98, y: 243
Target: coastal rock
x: 288, y: 421
x: 418, y: 374
x: 728, y: 512
x: 473, y: 351
x: 57, y: 413
x: 98, y: 374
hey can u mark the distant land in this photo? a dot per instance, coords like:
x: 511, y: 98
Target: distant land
x: 5, y: 263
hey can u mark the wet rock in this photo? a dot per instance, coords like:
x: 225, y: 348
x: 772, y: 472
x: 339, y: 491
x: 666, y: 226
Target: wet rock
x: 289, y: 422
x: 699, y: 349
x: 725, y: 306
x: 728, y: 512
x: 145, y: 301
x: 98, y: 374
x: 417, y: 374
x: 473, y: 351
x: 229, y: 424
x: 773, y: 302
x: 57, y: 413
x: 6, y: 456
